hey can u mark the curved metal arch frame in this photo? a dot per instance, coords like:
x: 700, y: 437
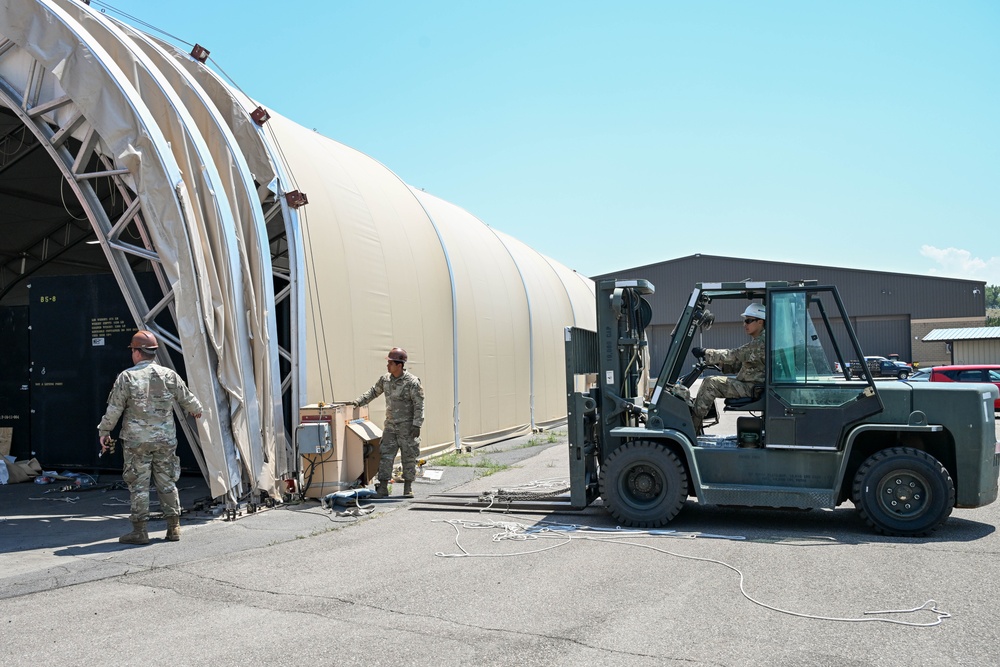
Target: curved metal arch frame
x: 202, y: 179
x: 289, y: 385
x: 71, y: 167
x: 40, y: 30
x: 294, y: 382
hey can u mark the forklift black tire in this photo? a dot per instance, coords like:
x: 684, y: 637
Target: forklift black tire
x: 904, y: 492
x: 643, y: 484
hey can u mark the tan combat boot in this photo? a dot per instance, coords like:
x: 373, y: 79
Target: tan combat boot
x: 173, y: 529
x: 407, y: 489
x: 138, y: 534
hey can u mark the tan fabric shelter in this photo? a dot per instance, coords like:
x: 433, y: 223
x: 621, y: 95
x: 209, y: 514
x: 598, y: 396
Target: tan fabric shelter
x: 271, y: 303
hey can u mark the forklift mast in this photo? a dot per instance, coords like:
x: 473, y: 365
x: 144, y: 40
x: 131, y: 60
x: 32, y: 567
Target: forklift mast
x: 606, y: 374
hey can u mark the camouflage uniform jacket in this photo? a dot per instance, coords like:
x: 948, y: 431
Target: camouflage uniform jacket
x: 746, y: 361
x: 145, y: 394
x: 404, y: 399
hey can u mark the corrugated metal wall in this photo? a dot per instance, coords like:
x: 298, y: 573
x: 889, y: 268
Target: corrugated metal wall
x: 884, y: 336
x: 986, y: 351
x: 880, y: 304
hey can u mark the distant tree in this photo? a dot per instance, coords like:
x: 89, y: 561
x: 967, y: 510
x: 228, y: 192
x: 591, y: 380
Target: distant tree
x: 993, y: 296
x: 993, y: 305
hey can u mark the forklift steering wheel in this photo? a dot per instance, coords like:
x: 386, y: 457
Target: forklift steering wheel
x: 696, y: 370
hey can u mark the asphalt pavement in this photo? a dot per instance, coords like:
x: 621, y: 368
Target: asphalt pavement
x: 403, y: 585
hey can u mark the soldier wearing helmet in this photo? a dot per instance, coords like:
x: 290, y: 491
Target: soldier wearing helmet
x: 143, y: 397
x: 404, y: 416
x: 746, y: 361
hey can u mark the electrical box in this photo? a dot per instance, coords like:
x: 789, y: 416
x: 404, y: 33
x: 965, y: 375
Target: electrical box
x: 339, y: 448
x: 313, y: 437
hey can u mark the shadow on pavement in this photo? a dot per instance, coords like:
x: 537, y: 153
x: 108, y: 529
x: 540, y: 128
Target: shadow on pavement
x: 841, y: 526
x: 83, y: 518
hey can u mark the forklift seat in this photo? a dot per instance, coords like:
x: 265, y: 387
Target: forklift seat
x: 753, y: 402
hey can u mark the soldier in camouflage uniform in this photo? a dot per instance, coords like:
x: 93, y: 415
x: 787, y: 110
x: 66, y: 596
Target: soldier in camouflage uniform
x: 145, y: 395
x: 746, y: 361
x: 404, y: 415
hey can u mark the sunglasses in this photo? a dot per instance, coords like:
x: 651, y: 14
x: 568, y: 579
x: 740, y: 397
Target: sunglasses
x: 751, y: 320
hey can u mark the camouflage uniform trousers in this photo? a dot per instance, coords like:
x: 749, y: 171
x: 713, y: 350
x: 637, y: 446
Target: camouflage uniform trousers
x: 156, y: 459
x: 401, y: 439
x: 716, y: 386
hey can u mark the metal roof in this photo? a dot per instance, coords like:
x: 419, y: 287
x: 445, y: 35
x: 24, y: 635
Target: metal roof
x: 872, y: 295
x: 967, y: 333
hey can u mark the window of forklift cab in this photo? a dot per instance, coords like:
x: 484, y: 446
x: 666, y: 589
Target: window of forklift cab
x: 795, y: 350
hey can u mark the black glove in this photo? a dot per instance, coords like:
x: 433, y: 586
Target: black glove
x: 698, y: 352
x: 416, y: 431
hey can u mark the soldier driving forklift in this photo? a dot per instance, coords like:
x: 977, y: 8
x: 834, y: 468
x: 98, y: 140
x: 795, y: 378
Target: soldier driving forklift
x: 746, y: 361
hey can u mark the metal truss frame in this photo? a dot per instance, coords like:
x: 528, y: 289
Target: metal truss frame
x: 75, y: 161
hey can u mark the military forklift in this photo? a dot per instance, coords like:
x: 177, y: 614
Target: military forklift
x: 904, y: 453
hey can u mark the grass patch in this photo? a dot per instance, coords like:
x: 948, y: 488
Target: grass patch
x: 531, y: 442
x: 487, y: 467
x: 549, y: 438
x: 484, y: 466
x: 452, y: 460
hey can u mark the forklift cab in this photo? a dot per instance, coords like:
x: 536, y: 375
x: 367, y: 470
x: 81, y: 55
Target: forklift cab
x: 801, y: 396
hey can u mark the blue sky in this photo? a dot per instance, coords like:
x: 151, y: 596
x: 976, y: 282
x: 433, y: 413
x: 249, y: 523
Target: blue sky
x: 611, y: 135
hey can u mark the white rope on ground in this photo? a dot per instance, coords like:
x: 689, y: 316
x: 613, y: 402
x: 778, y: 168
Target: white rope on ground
x: 357, y: 511
x: 59, y: 500
x: 566, y: 533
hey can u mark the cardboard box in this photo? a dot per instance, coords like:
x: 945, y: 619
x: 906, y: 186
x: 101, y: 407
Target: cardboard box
x: 364, y: 440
